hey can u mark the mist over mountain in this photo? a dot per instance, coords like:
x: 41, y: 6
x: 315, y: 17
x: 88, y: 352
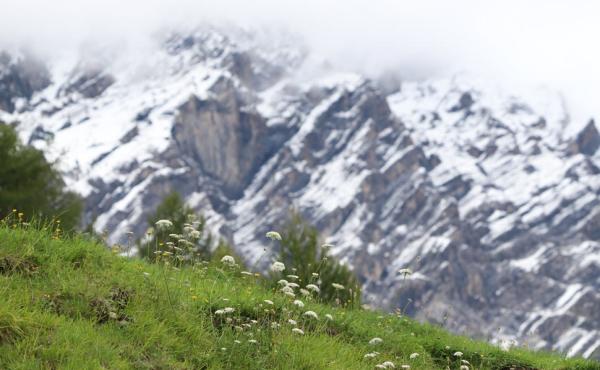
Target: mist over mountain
x: 550, y: 43
x: 486, y: 186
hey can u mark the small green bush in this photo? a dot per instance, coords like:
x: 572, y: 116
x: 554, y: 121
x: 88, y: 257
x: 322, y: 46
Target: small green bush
x: 305, y: 256
x: 175, y: 229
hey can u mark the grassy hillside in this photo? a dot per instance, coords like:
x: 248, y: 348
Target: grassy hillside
x: 67, y: 303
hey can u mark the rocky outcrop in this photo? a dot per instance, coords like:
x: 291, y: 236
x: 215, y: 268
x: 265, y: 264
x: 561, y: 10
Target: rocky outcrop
x: 587, y: 141
x: 226, y: 140
x: 89, y: 80
x: 253, y: 71
x: 20, y: 77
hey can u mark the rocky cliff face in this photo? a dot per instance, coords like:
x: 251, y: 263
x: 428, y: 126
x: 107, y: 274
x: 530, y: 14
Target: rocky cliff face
x: 218, y: 134
x: 482, y: 194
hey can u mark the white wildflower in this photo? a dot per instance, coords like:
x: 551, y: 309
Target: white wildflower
x: 282, y: 282
x: 292, y: 322
x: 315, y: 275
x: 228, y: 260
x: 458, y: 354
x: 313, y: 288
x: 414, y: 355
x: 293, y: 277
x: 376, y: 340
x: 371, y: 355
x: 253, y: 341
x: 287, y: 289
x: 298, y: 331
x: 195, y: 234
x: 185, y: 243
x: 405, y: 272
x: 277, y: 266
x: 288, y: 292
x: 219, y: 312
x: 293, y: 285
x: 505, y: 345
x: 304, y: 292
x: 388, y: 365
x: 146, y: 274
x: 312, y: 314
x: 247, y: 273
x: 229, y: 309
x: 163, y: 225
x: 267, y: 301
x: 337, y: 286
x: 237, y: 341
x: 273, y: 235
x: 327, y: 245
x: 275, y: 325
x: 464, y: 367
x: 329, y: 317
x: 299, y: 303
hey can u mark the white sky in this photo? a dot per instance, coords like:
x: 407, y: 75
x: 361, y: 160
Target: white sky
x: 526, y: 42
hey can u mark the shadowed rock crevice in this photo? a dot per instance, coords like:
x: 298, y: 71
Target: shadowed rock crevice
x: 20, y: 77
x: 587, y: 141
x: 89, y: 78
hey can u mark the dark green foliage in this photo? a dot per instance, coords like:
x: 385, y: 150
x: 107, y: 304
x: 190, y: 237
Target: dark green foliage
x: 32, y: 186
x: 302, y: 250
x: 16, y: 265
x: 172, y: 208
x: 194, y: 241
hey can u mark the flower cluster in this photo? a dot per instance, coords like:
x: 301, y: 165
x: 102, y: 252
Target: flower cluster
x: 337, y: 286
x: 225, y: 311
x: 274, y: 235
x: 375, y: 340
x: 311, y: 314
x: 163, y: 225
x: 228, y: 261
x: 277, y: 267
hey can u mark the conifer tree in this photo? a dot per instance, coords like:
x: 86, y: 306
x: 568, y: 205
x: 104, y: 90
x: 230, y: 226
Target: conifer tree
x: 306, y: 256
x: 184, y: 235
x: 32, y: 186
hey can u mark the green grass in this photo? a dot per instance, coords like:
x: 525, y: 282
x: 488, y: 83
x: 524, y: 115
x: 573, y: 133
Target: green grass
x: 72, y: 304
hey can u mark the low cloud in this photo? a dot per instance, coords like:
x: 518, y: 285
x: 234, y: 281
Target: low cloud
x: 517, y: 42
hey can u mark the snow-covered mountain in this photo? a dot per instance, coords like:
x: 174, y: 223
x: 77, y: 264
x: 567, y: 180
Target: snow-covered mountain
x: 492, y: 199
